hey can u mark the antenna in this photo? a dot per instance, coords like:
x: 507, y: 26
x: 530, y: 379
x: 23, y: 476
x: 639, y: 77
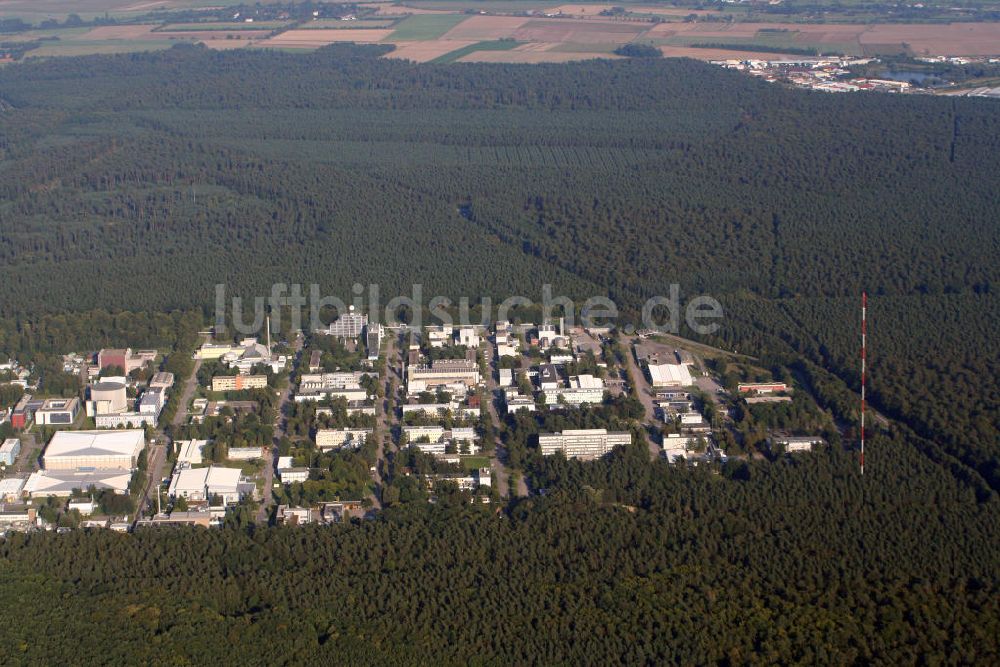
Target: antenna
x: 268, y: 334
x: 864, y: 348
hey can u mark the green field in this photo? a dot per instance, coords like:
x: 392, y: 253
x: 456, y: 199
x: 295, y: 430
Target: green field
x: 81, y: 48
x: 228, y: 26
x: 421, y: 27
x: 475, y: 462
x: 337, y: 24
x: 496, y: 45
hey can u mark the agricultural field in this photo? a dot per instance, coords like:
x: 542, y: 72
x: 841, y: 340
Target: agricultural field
x: 503, y: 31
x: 421, y: 27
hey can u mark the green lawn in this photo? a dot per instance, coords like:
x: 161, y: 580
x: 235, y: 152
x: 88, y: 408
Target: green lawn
x: 475, y: 462
x: 421, y: 27
x: 496, y: 45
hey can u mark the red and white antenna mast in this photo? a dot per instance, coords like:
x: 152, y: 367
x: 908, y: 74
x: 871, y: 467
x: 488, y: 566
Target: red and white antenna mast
x: 864, y: 348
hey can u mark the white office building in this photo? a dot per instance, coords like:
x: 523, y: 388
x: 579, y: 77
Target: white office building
x: 582, y: 443
x: 330, y: 438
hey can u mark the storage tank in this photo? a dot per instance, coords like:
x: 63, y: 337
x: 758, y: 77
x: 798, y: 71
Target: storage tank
x: 109, y: 397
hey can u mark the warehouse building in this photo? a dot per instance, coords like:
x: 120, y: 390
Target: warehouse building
x: 189, y: 452
x: 62, y: 483
x: 670, y: 375
x: 201, y: 484
x: 98, y: 450
x: 11, y: 489
x: 589, y: 443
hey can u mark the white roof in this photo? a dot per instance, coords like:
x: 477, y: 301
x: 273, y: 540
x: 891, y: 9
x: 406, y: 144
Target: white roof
x: 284, y: 462
x: 218, y: 480
x: 190, y: 451
x: 62, y: 482
x: 9, y: 444
x: 11, y: 486
x: 670, y: 374
x: 96, y: 443
x: 586, y: 382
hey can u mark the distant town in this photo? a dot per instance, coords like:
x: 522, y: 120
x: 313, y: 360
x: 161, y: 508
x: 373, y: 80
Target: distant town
x: 835, y: 75
x: 337, y: 423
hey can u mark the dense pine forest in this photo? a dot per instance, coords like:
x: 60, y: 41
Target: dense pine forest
x: 130, y: 185
x: 622, y: 562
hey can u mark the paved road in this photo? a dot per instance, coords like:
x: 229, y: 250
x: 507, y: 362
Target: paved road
x: 157, y: 453
x: 493, y: 394
x: 642, y: 391
x: 385, y: 416
x: 25, y: 463
x: 270, y: 458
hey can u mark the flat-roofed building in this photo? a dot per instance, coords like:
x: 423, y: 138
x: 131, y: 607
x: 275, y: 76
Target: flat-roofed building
x: 346, y: 385
x: 9, y: 450
x: 11, y: 489
x: 23, y: 412
x: 793, y: 444
x: 62, y: 483
x: 761, y: 387
x: 582, y: 389
x: 201, y: 484
x: 244, y: 453
x: 463, y: 434
x: 589, y: 443
x: 74, y: 450
x: 548, y: 377
x: 468, y: 336
x: 441, y: 373
x: 373, y: 339
x: 214, y: 350
x: 125, y: 420
x: 238, y: 382
x: 415, y: 433
x: 294, y: 516
x: 348, y: 325
x: 152, y: 402
x: 291, y: 475
x: 315, y: 359
x: 331, y: 438
x: 189, y: 452
x: 517, y: 403
x: 670, y: 375
x: 175, y: 518
x: 119, y: 358
x: 162, y: 380
x: 58, y: 412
